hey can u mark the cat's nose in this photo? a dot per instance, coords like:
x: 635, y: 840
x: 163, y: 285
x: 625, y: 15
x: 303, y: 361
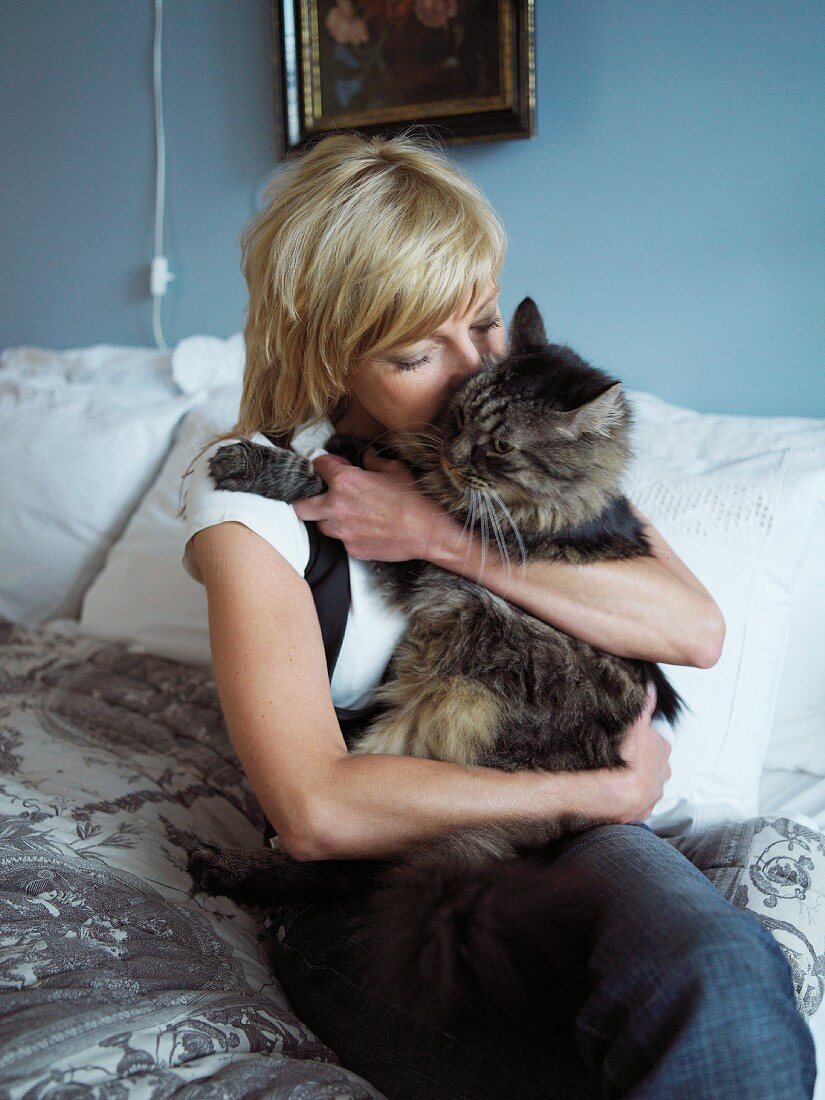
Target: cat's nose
x: 478, y: 453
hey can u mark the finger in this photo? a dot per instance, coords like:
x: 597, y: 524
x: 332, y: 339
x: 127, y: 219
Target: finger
x: 650, y: 702
x: 327, y: 528
x: 311, y: 507
x: 327, y: 461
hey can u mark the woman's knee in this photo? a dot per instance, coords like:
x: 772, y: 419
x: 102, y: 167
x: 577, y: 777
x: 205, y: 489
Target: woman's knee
x: 652, y: 904
x: 746, y: 961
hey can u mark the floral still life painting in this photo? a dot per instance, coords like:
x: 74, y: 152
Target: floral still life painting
x: 379, y: 65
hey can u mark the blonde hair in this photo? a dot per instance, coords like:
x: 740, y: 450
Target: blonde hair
x: 364, y: 244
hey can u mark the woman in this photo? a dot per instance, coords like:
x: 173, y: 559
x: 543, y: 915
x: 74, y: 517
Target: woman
x: 373, y: 278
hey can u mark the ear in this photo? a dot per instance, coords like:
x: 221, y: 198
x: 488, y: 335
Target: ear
x: 526, y: 327
x: 597, y: 417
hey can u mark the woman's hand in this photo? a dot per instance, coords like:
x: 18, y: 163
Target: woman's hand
x: 378, y: 512
x: 647, y: 753
x: 629, y: 794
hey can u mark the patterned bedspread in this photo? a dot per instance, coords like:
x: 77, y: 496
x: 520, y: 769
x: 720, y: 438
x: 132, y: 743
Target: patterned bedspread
x: 113, y: 981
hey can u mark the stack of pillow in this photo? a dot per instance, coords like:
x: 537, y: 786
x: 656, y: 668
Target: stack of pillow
x: 95, y: 443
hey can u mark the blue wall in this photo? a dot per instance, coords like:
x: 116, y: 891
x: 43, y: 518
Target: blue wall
x: 668, y: 217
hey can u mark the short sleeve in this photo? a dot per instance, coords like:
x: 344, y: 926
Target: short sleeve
x: 273, y: 520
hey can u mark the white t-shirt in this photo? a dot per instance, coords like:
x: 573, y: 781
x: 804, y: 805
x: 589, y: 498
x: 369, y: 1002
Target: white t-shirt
x: 373, y: 626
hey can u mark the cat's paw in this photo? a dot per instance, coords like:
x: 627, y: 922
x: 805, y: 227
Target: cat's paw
x: 236, y: 466
x: 208, y: 867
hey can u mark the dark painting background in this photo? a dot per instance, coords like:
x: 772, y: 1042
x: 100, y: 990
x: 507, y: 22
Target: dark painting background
x: 404, y: 60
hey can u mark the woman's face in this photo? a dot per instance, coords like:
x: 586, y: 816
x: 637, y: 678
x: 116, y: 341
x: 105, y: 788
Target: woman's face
x: 407, y: 385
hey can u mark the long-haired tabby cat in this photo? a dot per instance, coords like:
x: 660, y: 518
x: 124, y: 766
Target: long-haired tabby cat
x: 537, y: 444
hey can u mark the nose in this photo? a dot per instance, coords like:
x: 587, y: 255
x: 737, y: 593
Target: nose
x: 465, y: 355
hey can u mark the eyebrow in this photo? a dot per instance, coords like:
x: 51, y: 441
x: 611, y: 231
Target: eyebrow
x: 388, y: 355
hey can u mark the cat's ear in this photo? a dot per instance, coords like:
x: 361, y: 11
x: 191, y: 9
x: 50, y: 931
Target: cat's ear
x: 597, y: 417
x: 526, y: 328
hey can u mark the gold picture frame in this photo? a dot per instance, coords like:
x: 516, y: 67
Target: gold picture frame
x: 463, y: 68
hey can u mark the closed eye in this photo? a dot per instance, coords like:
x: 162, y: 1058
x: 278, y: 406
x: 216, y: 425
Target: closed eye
x: 413, y: 364
x: 495, y: 323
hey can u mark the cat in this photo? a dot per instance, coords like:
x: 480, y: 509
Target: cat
x: 538, y: 438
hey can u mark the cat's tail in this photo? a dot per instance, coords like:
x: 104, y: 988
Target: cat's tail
x: 669, y: 703
x: 505, y: 940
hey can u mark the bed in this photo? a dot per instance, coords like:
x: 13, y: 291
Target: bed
x: 117, y: 980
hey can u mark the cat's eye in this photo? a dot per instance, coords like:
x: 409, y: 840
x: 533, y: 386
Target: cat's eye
x: 501, y: 447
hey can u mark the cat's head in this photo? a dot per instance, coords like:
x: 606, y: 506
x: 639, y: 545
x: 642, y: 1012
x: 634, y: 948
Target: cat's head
x: 539, y: 431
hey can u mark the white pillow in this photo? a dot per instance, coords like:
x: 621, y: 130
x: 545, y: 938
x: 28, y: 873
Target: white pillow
x: 735, y: 498
x: 797, y: 741
x: 146, y: 369
x: 143, y: 596
x: 208, y: 362
x: 82, y: 434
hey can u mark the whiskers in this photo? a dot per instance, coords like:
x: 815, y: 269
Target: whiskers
x: 512, y: 522
x: 481, y: 503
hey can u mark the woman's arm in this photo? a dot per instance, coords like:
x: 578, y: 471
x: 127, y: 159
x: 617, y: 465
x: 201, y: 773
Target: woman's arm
x: 269, y: 666
x: 650, y: 608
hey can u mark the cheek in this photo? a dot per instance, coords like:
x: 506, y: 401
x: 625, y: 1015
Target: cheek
x: 400, y: 400
x: 415, y: 399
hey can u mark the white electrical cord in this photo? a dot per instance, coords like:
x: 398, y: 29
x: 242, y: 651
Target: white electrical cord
x: 160, y: 268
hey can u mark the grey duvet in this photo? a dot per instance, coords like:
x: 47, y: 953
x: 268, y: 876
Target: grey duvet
x: 113, y: 981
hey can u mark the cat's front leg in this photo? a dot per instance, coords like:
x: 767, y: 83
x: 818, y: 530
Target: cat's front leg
x: 273, y: 472
x: 260, y: 877
x: 265, y: 878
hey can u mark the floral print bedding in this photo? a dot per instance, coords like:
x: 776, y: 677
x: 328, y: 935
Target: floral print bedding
x: 114, y: 982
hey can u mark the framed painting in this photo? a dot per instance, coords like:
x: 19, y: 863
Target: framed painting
x: 463, y: 68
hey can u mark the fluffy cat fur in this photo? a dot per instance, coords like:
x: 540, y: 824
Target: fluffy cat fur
x: 536, y: 445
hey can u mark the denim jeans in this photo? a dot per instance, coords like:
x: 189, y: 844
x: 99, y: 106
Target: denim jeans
x: 684, y: 996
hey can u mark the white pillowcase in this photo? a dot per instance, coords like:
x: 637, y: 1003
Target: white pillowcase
x: 736, y: 499
x: 82, y: 434
x: 797, y: 741
x: 144, y: 596
x: 208, y: 362
x: 101, y: 365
